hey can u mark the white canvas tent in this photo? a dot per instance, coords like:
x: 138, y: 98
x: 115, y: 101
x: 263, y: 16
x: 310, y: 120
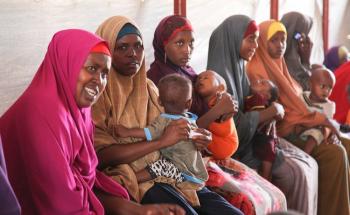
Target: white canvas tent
x: 28, y: 25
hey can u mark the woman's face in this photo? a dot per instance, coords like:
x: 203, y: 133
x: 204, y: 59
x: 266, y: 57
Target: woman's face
x: 128, y: 55
x: 276, y: 45
x: 179, y: 48
x: 248, y: 46
x: 92, y: 79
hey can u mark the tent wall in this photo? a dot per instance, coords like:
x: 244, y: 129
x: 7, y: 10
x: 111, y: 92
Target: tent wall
x: 28, y: 25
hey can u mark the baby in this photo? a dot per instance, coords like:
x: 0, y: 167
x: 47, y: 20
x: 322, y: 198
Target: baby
x: 321, y: 82
x: 263, y: 93
x: 209, y: 85
x: 175, y: 95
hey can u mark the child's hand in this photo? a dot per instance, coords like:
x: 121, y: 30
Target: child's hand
x: 226, y: 103
x: 279, y: 110
x: 202, y: 138
x: 121, y: 131
x: 176, y: 131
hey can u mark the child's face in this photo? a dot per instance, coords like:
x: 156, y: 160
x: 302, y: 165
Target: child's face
x: 261, y: 86
x: 207, y: 84
x: 321, y: 85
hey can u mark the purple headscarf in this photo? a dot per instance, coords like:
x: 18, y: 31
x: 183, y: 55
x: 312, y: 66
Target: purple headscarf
x: 47, y: 138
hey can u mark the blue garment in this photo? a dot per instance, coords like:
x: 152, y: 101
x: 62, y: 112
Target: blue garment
x: 211, y: 203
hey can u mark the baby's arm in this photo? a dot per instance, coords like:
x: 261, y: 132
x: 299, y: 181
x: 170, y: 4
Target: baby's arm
x: 122, y: 131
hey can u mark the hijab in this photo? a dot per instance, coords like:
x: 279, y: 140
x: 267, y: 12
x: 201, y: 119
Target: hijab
x: 130, y: 101
x: 224, y: 58
x: 48, y: 139
x: 339, y: 93
x: 334, y: 56
x: 262, y: 66
x: 296, y: 23
x: 165, y: 31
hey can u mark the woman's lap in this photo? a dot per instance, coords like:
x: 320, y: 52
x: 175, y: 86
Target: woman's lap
x: 333, y: 175
x: 297, y: 177
x: 211, y: 203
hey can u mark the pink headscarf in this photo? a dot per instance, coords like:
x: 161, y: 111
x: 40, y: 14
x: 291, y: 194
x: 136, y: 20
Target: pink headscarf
x: 47, y: 138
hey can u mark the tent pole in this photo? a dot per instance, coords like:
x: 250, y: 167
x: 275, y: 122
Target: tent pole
x: 274, y: 9
x: 325, y: 24
x: 180, y: 7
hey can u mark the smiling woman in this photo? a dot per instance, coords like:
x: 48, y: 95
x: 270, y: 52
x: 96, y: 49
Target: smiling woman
x: 47, y: 133
x: 92, y: 78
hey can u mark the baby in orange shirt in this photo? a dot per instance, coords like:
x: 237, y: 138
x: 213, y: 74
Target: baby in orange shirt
x: 224, y: 143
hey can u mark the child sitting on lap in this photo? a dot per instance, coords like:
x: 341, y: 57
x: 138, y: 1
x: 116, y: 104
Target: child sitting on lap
x: 321, y: 83
x: 175, y: 95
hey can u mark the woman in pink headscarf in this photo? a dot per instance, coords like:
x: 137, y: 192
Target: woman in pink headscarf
x: 47, y: 134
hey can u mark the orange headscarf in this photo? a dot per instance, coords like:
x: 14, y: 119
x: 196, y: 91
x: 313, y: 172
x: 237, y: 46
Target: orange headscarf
x: 262, y: 66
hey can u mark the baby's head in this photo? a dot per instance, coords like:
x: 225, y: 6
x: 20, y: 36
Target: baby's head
x: 266, y: 88
x: 321, y: 82
x: 209, y: 83
x: 175, y: 93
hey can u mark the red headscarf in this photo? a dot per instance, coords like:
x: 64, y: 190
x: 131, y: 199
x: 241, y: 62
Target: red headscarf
x: 47, y: 138
x: 339, y: 93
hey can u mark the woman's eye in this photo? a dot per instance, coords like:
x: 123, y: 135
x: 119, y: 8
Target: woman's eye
x: 122, y: 48
x: 139, y: 46
x: 91, y: 68
x: 179, y: 43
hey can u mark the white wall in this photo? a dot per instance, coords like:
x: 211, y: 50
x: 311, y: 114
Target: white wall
x: 28, y: 25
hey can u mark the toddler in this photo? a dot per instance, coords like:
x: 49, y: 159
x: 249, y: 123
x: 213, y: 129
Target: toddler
x: 209, y: 85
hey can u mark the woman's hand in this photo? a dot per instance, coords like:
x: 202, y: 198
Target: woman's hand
x: 332, y: 125
x: 304, y: 49
x: 202, y: 138
x: 176, y: 131
x: 161, y: 209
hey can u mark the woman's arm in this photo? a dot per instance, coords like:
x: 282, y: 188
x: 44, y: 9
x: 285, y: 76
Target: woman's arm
x: 125, y: 153
x: 274, y: 111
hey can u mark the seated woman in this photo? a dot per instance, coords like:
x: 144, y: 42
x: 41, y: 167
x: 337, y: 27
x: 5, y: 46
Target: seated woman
x: 299, y: 46
x: 268, y: 63
x: 240, y: 185
x: 130, y: 100
x: 294, y: 172
x: 48, y: 135
x: 335, y: 57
